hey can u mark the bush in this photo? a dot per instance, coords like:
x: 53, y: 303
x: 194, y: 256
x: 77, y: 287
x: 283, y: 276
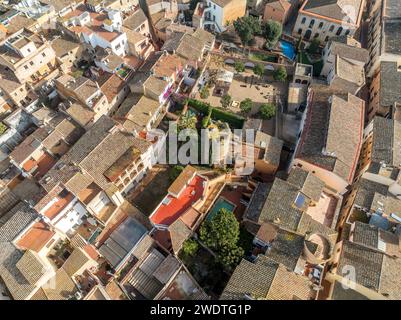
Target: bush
x: 225, y: 101
x: 239, y: 66
x: 232, y: 119
x: 280, y: 74
x: 267, y: 111
x: 246, y: 105
x: 204, y: 93
x: 190, y: 248
x: 259, y: 70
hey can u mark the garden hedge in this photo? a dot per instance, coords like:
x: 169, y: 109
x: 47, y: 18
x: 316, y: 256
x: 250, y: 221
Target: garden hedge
x: 235, y: 121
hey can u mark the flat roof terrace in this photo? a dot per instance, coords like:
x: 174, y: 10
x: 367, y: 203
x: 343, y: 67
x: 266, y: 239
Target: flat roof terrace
x: 172, y: 208
x: 325, y: 209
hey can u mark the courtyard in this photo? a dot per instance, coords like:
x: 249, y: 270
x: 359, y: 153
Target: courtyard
x: 247, y: 85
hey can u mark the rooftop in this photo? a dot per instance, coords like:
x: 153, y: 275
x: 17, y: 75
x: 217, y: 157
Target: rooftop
x: 173, y: 207
x: 36, y: 237
x: 122, y: 241
x: 266, y: 279
x: 333, y: 132
x: 335, y: 9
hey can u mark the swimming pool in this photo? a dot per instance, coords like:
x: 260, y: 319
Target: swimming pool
x: 220, y: 203
x: 288, y: 49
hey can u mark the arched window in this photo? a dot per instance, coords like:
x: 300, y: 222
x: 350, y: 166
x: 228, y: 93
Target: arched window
x: 300, y: 31
x: 347, y: 32
x: 312, y: 23
x: 303, y: 20
x: 331, y: 28
x: 340, y: 29
x: 320, y: 25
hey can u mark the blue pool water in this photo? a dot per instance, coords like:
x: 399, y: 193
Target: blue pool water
x: 221, y: 203
x: 288, y: 49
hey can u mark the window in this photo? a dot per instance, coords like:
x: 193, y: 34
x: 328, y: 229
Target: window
x: 26, y: 67
x: 312, y: 23
x: 303, y: 20
x: 29, y: 50
x: 43, y: 54
x: 331, y: 28
x: 299, y: 31
x: 320, y: 25
x: 347, y: 32
x: 326, y: 39
x: 31, y: 63
x: 340, y: 29
x: 316, y: 35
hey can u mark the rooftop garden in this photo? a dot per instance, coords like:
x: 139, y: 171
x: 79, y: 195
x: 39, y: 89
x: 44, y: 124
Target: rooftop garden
x: 3, y: 128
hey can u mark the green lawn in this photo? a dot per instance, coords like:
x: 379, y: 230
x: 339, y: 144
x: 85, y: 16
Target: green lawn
x: 260, y: 56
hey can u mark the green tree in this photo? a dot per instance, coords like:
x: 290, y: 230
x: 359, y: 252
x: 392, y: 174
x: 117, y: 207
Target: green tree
x: 267, y: 111
x: 247, y: 28
x: 280, y: 74
x: 225, y: 101
x: 189, y: 248
x: 239, y: 66
x: 230, y: 257
x: 246, y: 105
x: 222, y: 231
x: 314, y: 46
x: 175, y: 172
x: 221, y: 235
x: 259, y: 70
x: 204, y: 93
x: 272, y: 31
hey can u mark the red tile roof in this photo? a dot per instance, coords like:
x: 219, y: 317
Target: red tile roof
x: 57, y: 207
x: 36, y: 237
x: 166, y: 214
